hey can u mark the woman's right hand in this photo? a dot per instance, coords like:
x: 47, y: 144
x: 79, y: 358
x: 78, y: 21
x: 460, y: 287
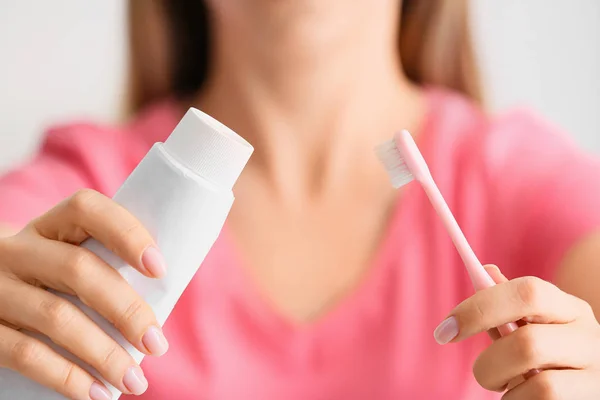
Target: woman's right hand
x: 46, y: 254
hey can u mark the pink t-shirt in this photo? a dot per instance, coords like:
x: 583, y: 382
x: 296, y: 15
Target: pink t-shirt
x: 522, y: 192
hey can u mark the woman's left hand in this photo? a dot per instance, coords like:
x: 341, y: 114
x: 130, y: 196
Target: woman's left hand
x: 561, y: 338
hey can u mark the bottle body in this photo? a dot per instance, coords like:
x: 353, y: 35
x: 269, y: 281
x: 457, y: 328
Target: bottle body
x: 185, y: 214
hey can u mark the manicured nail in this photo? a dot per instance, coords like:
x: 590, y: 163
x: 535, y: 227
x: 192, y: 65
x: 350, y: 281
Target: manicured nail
x: 135, y: 381
x: 154, y: 262
x: 99, y: 392
x: 155, y: 342
x: 446, y: 331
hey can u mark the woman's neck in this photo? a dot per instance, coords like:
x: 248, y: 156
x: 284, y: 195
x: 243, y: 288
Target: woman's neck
x: 311, y: 84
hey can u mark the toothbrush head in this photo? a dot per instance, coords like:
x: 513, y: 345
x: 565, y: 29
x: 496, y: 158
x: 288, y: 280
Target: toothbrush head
x: 402, y: 160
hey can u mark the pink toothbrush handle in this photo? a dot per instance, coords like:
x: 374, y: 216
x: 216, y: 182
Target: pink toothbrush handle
x: 479, y: 277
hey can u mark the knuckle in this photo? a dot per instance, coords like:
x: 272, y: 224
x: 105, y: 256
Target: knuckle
x: 530, y: 290
x: 69, y: 377
x: 479, y: 374
x: 131, y: 234
x: 478, y: 311
x: 110, y: 358
x: 526, y: 345
x: 485, y: 372
x: 59, y: 313
x: 77, y: 263
x: 471, y: 314
x: 81, y: 200
x: 25, y: 354
x: 133, y: 229
x: 131, y: 314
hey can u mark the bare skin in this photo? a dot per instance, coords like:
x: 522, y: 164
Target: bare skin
x: 45, y: 254
x: 310, y: 188
x: 6, y: 231
x: 311, y: 84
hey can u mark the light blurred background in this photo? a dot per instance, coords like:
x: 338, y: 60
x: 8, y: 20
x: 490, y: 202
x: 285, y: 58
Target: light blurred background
x: 66, y: 59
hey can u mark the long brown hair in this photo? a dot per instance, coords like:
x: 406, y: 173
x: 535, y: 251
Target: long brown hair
x: 172, y: 58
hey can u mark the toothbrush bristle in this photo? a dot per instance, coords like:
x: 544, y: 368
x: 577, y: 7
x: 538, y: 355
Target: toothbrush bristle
x: 392, y: 160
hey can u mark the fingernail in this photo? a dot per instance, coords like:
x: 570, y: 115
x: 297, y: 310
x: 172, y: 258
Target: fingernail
x: 135, y: 381
x: 446, y: 331
x: 155, y: 342
x: 154, y: 262
x: 99, y: 392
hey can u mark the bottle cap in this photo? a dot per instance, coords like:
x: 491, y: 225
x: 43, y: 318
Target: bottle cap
x: 209, y: 148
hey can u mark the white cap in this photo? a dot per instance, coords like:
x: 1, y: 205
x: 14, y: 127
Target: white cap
x: 209, y: 148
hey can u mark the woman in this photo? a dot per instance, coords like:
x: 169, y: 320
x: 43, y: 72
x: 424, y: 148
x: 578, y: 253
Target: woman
x: 324, y: 283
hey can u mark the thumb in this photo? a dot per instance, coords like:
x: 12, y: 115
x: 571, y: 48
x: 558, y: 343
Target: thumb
x: 495, y: 273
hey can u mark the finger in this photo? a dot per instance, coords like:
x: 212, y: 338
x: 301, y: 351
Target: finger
x: 90, y: 214
x: 68, y: 327
x: 534, y: 347
x: 553, y: 384
x: 495, y: 273
x: 529, y: 298
x: 515, y: 382
x: 76, y: 270
x: 38, y: 362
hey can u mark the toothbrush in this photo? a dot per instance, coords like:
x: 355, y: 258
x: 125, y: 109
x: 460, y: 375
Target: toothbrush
x: 404, y: 163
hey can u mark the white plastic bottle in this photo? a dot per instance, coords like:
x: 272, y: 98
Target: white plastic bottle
x: 181, y: 192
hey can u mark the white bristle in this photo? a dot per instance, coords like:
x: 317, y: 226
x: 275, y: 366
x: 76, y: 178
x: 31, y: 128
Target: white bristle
x: 392, y: 160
